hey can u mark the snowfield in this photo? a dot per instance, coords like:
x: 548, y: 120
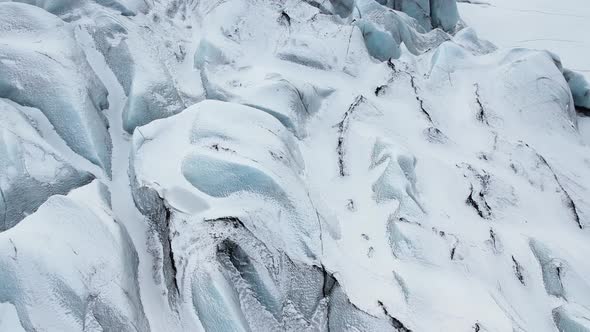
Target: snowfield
x: 294, y: 165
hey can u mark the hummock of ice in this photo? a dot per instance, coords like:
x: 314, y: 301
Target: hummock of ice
x: 67, y: 8
x: 343, y: 165
x: 153, y: 73
x: 42, y: 66
x: 580, y: 88
x: 429, y: 13
x: 30, y: 169
x: 257, y: 240
x: 81, y: 274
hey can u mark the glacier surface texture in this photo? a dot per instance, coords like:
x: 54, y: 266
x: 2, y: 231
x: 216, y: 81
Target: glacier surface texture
x: 288, y: 165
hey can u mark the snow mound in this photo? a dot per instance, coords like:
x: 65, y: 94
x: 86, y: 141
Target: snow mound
x: 580, y: 88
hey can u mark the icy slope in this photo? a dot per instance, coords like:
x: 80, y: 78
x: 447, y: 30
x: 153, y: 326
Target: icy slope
x: 344, y: 165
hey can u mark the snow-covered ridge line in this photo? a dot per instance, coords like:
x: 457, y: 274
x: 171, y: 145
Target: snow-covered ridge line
x: 254, y: 165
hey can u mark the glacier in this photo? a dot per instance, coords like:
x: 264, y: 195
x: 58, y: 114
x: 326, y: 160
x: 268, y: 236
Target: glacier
x: 283, y: 165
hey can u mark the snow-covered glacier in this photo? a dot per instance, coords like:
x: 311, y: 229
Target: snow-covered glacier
x: 286, y: 165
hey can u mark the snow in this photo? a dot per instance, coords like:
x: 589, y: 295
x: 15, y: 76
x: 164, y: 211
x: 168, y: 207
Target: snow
x: 292, y: 165
x: 557, y: 26
x: 562, y: 33
x: 9, y: 318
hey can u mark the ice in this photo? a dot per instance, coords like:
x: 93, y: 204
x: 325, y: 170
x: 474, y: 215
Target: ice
x: 549, y: 95
x: 153, y: 77
x: 260, y: 288
x: 289, y: 298
x: 380, y: 44
x: 560, y: 277
x: 30, y: 169
x: 429, y: 14
x: 468, y: 39
x: 306, y: 165
x: 216, y: 302
x: 444, y: 14
x: 571, y: 317
x: 418, y: 9
x: 398, y: 180
x: 208, y: 53
x: 88, y: 280
x: 309, y: 52
x: 53, y: 76
x: 290, y: 102
x: 343, y: 8
x: 65, y: 7
x: 580, y: 88
x: 551, y: 268
x: 447, y: 57
x: 262, y: 246
x: 402, y: 28
x: 220, y: 178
